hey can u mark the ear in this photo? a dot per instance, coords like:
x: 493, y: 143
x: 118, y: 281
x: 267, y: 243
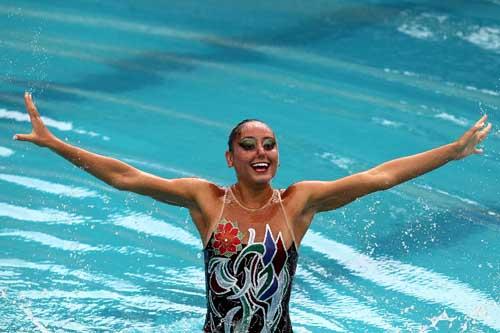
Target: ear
x: 229, y: 158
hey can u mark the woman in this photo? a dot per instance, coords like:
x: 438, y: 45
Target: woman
x: 250, y: 231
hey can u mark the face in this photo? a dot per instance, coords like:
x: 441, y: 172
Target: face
x: 255, y: 153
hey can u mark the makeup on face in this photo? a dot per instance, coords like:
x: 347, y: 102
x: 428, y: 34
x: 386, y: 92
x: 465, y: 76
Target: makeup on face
x: 250, y: 143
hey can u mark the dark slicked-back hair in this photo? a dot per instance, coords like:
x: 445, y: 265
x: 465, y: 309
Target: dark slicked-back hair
x: 237, y: 130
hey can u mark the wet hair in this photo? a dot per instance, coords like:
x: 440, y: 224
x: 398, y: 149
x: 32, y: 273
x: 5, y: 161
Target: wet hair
x: 237, y: 130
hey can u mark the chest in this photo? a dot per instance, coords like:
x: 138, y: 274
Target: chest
x: 284, y: 216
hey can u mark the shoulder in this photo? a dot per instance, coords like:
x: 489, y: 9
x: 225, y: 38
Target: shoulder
x: 296, y: 196
x: 296, y: 190
x: 207, y: 191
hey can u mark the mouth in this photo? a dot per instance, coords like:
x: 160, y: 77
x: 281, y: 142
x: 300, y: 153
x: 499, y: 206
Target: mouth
x: 260, y: 166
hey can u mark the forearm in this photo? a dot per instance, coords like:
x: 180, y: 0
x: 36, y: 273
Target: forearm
x: 109, y: 170
x: 402, y: 169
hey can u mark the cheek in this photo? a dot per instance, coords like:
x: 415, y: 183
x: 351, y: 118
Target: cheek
x: 241, y: 159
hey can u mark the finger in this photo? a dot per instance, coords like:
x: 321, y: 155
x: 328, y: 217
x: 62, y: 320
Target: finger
x: 30, y: 106
x: 481, y: 121
x: 484, y: 132
x: 23, y: 137
x: 487, y: 128
x: 478, y: 151
x: 472, y: 130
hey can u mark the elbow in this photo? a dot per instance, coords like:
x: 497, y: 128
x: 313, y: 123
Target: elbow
x: 387, y: 183
x: 382, y: 180
x: 120, y: 182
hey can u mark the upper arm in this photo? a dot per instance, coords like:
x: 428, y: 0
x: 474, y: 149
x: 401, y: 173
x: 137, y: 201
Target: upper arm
x: 328, y: 195
x: 183, y: 192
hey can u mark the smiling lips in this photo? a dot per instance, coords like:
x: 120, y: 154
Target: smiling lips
x: 260, y: 166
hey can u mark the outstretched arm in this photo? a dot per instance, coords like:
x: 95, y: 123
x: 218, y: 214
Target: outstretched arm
x: 327, y: 195
x: 181, y: 192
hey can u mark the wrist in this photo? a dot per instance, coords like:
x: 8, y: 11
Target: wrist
x: 456, y: 149
x: 53, y: 143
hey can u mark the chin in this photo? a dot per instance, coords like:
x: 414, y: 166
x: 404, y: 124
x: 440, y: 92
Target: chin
x: 263, y: 179
x: 253, y: 177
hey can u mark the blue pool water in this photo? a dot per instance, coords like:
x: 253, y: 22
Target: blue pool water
x: 346, y: 85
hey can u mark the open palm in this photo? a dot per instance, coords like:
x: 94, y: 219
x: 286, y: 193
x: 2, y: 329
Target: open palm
x: 39, y: 135
x: 475, y: 135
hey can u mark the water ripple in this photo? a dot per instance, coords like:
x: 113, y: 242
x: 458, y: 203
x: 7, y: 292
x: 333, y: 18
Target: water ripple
x: 5, y: 152
x: 411, y: 280
x: 149, y: 225
x: 49, y: 240
x: 49, y: 187
x: 105, y: 280
x: 39, y: 215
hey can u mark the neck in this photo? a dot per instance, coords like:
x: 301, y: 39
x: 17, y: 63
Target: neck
x: 253, y: 196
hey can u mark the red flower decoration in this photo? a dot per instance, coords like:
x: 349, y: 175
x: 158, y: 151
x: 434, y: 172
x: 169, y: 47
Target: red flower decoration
x: 227, y: 240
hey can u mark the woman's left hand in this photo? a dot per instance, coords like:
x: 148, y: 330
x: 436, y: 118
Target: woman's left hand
x: 466, y: 145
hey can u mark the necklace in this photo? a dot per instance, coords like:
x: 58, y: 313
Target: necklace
x: 248, y: 208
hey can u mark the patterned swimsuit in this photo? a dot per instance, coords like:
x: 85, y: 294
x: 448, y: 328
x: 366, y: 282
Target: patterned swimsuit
x: 248, y: 282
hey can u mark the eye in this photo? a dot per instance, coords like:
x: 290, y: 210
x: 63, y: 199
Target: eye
x: 247, y: 144
x: 269, y: 144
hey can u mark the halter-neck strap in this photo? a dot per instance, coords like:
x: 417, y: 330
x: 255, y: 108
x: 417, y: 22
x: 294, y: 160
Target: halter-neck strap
x: 286, y: 219
x: 210, y: 227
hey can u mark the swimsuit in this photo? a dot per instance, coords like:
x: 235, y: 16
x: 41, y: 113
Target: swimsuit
x: 249, y: 268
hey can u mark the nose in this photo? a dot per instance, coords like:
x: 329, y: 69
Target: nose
x: 260, y: 150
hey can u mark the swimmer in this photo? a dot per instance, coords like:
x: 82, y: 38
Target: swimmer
x: 250, y: 231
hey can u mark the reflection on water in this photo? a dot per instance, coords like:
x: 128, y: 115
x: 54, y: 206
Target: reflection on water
x: 411, y: 280
x: 49, y: 240
x: 49, y: 187
x: 48, y: 215
x: 143, y: 223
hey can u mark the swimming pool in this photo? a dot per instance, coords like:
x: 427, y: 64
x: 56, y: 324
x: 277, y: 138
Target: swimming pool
x: 346, y: 85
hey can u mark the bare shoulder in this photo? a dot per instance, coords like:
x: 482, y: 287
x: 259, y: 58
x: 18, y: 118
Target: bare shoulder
x: 208, y: 193
x: 296, y: 194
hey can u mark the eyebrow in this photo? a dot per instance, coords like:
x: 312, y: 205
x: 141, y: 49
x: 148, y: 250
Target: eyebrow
x: 253, y: 137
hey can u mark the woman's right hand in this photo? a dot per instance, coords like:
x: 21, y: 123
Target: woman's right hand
x: 40, y: 135
x: 466, y: 144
